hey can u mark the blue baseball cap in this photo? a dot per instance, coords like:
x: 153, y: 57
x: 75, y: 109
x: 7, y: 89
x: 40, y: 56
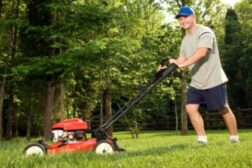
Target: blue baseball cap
x: 185, y: 11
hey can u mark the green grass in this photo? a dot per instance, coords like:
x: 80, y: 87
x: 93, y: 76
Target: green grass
x: 158, y: 149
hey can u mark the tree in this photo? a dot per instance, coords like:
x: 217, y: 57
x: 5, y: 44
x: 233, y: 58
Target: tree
x: 37, y: 46
x: 231, y: 55
x: 243, y: 44
x: 10, y: 23
x: 74, y: 56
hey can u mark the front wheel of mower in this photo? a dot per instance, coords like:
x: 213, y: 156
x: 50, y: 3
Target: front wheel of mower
x: 35, y: 149
x: 104, y: 147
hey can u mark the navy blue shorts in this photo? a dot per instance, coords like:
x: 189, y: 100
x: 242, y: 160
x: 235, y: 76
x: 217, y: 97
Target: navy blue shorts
x: 214, y: 98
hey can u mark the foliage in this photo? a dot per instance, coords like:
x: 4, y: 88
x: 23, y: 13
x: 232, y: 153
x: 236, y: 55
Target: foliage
x: 232, y: 53
x: 91, y: 45
x: 245, y: 17
x: 238, y: 53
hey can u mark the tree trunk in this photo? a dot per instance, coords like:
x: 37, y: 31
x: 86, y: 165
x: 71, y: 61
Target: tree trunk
x: 11, y: 56
x: 15, y: 122
x: 107, y: 109
x: 184, y: 128
x: 88, y: 103
x: 48, y: 110
x: 86, y: 111
x: 9, y: 130
x: 1, y: 107
x: 62, y: 102
x: 29, y: 123
x: 1, y: 89
x: 176, y: 115
x: 101, y: 111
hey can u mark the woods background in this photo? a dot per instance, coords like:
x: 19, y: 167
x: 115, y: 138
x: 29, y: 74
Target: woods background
x: 86, y: 58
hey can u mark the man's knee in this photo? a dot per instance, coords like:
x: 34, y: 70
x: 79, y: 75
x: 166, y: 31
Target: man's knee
x: 224, y: 110
x: 191, y: 108
x: 187, y: 107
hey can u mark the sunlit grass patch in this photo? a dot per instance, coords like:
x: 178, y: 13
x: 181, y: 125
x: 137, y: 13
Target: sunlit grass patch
x: 153, y: 149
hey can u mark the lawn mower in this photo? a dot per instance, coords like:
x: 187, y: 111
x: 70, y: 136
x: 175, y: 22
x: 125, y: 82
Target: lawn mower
x: 70, y: 135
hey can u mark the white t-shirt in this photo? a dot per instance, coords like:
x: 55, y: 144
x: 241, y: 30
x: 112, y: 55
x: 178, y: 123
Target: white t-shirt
x: 207, y: 72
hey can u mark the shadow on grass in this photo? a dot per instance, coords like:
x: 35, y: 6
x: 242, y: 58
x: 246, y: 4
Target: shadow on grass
x: 147, y: 134
x: 159, y: 150
x: 149, y: 152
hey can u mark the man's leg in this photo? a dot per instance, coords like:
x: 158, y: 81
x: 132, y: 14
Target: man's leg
x: 197, y: 121
x: 230, y: 121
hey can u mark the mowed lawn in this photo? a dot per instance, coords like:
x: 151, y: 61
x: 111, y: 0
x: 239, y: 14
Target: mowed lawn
x: 153, y: 149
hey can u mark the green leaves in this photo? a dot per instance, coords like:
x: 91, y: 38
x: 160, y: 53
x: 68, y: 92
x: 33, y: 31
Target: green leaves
x: 237, y: 55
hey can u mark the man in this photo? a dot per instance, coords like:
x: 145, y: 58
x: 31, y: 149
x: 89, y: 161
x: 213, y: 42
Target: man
x: 199, y: 52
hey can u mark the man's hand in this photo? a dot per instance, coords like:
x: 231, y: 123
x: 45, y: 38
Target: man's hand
x: 174, y: 61
x: 160, y: 68
x: 180, y: 62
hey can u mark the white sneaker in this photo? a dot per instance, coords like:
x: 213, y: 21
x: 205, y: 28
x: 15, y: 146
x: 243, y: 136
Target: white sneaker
x: 200, y: 143
x: 234, y: 141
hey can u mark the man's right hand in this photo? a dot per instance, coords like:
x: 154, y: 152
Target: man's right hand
x: 171, y: 61
x: 179, y: 61
x: 160, y: 67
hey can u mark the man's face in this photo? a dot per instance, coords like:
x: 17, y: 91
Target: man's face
x: 186, y: 22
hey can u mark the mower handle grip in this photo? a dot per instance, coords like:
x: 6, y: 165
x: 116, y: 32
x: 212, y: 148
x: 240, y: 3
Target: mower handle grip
x: 163, y: 72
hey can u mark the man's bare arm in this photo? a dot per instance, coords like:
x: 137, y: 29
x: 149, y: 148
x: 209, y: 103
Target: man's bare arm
x: 183, y: 62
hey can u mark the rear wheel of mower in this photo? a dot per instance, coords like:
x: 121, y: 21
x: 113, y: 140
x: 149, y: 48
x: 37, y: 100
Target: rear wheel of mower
x: 104, y: 147
x: 35, y: 149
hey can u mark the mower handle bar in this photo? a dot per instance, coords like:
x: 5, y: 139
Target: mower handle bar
x: 158, y: 77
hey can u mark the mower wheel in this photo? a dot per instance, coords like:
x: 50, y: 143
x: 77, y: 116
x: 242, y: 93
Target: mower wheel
x: 104, y: 147
x: 35, y: 149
